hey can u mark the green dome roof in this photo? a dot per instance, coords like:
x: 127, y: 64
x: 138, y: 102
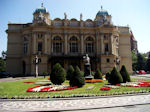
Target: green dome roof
x: 102, y: 12
x: 41, y: 9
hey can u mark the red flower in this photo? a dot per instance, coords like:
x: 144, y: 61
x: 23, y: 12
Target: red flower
x: 104, y: 89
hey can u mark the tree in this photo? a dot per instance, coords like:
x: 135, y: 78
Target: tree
x: 98, y: 74
x: 134, y: 61
x: 140, y: 62
x: 125, y: 75
x: 78, y: 78
x: 148, y: 63
x: 70, y: 72
x: 115, y: 77
x: 2, y: 65
x: 107, y: 75
x: 58, y: 74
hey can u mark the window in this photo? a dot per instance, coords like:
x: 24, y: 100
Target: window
x: 73, y: 44
x: 40, y: 35
x: 73, y: 47
x: 25, y: 39
x: 106, y: 47
x: 57, y: 47
x: 89, y: 45
x: 25, y: 48
x: 57, y: 38
x: 107, y: 60
x: 39, y: 46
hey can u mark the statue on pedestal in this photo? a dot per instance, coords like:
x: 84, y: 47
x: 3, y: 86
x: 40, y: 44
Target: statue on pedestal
x: 87, y: 68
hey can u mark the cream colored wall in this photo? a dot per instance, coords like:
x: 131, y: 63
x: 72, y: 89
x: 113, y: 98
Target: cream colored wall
x: 125, y: 52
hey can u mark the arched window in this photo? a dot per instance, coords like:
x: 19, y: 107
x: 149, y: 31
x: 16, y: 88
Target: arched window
x: 73, y: 44
x: 57, y: 45
x: 89, y: 45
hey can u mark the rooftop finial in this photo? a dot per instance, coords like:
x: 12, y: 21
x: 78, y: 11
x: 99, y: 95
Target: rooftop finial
x: 101, y: 7
x: 42, y: 4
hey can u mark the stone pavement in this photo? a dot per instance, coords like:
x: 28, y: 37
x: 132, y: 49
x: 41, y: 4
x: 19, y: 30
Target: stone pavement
x: 74, y: 104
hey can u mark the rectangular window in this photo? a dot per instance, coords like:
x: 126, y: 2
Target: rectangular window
x: 89, y: 48
x: 25, y: 48
x: 74, y: 47
x: 57, y: 47
x: 40, y: 46
x: 106, y: 47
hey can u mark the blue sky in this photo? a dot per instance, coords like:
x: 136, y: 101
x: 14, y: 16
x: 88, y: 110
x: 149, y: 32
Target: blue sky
x: 135, y: 13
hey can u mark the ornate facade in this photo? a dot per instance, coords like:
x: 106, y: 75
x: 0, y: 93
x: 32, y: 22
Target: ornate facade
x: 66, y: 41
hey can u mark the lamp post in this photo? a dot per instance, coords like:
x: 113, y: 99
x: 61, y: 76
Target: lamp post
x: 117, y: 63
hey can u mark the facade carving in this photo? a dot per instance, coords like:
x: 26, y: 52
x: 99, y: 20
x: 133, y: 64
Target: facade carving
x: 66, y: 41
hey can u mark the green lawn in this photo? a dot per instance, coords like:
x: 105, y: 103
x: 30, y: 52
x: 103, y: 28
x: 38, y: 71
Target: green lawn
x: 18, y: 89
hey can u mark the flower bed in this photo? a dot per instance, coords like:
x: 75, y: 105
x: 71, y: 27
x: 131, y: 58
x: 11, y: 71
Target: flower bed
x: 43, y: 88
x: 135, y: 84
x: 29, y: 82
x: 105, y: 89
x: 94, y: 80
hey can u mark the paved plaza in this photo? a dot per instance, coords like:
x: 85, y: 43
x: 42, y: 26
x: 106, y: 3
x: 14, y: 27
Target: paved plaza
x: 123, y: 103
x: 75, y: 104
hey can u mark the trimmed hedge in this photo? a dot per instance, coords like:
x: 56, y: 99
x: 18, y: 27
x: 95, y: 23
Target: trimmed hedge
x: 70, y: 72
x: 125, y: 75
x: 98, y: 74
x: 58, y: 74
x: 78, y: 78
x: 115, y: 77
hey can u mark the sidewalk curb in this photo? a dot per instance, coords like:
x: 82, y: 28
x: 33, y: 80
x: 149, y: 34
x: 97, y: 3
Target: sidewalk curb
x: 73, y: 98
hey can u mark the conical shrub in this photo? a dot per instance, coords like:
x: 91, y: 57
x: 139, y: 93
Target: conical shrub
x: 115, y: 77
x: 78, y: 78
x: 70, y: 72
x: 125, y: 75
x: 107, y: 76
x: 98, y: 74
x: 58, y: 74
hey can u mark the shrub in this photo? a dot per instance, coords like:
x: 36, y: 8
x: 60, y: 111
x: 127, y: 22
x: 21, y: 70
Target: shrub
x: 124, y: 74
x: 58, y: 74
x: 115, y: 77
x: 70, y: 72
x: 78, y: 78
x: 107, y: 75
x: 98, y: 74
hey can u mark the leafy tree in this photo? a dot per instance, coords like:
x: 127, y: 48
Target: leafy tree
x: 70, y: 72
x: 134, y: 61
x: 140, y: 62
x: 78, y: 78
x: 2, y: 65
x: 148, y: 63
x: 98, y: 74
x: 58, y: 74
x: 115, y: 77
x: 125, y: 75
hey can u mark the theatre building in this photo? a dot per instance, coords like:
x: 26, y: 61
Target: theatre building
x: 66, y: 41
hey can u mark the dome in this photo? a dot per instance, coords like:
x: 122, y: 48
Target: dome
x: 102, y: 12
x: 41, y: 10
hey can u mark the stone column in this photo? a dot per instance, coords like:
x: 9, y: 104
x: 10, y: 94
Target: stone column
x: 34, y: 43
x: 66, y: 44
x: 82, y: 45
x: 97, y: 44
x: 102, y: 44
x: 45, y: 42
x: 50, y: 45
x: 111, y: 44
